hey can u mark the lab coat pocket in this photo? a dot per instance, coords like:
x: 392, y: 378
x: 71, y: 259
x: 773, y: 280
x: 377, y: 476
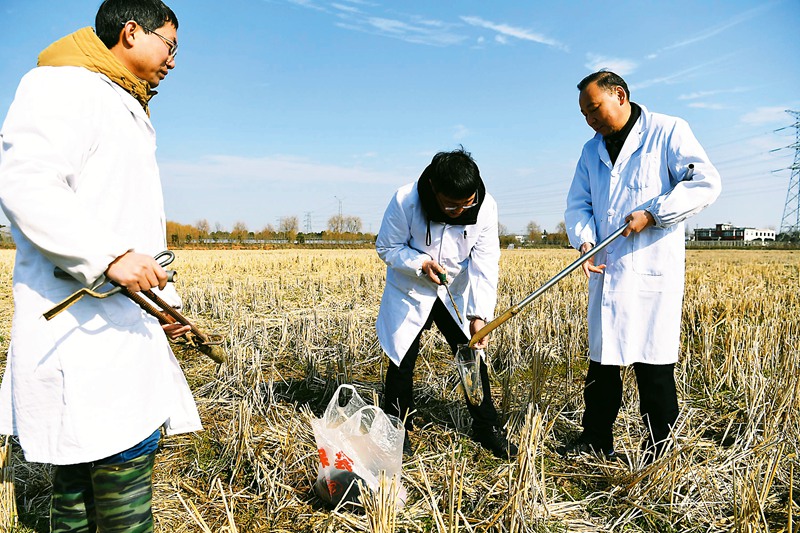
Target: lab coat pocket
x: 120, y: 310
x: 652, y: 254
x: 645, y: 177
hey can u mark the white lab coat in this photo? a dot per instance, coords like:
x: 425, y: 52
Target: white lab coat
x: 80, y: 185
x: 470, y: 254
x: 635, y: 305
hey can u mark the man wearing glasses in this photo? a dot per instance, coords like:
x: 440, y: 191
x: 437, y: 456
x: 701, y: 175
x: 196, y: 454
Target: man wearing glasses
x: 441, y: 227
x: 90, y: 390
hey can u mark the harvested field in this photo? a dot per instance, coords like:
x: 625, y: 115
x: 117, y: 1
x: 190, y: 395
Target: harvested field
x: 299, y: 322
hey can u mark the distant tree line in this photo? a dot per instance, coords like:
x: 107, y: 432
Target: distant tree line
x: 341, y: 229
x: 535, y: 236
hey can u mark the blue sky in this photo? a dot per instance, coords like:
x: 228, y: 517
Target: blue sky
x: 294, y: 107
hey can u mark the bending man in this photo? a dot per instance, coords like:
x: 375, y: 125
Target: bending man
x: 444, y: 223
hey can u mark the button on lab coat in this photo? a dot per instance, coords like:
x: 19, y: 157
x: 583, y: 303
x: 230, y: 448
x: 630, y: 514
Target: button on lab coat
x: 470, y: 254
x: 635, y: 304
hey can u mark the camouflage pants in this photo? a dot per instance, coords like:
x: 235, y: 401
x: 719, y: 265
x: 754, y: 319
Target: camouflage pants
x: 109, y: 498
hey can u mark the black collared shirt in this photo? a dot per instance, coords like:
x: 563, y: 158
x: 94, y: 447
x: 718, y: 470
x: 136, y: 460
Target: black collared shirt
x: 615, y: 141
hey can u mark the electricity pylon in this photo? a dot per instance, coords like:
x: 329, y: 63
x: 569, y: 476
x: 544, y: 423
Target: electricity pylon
x: 790, y: 222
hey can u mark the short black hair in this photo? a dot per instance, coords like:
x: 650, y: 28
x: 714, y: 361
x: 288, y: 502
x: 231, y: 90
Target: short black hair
x: 453, y: 174
x: 605, y: 80
x: 113, y: 14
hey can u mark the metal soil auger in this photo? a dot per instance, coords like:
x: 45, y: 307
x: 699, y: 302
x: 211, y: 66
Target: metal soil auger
x: 210, y: 345
x: 469, y: 359
x: 513, y: 310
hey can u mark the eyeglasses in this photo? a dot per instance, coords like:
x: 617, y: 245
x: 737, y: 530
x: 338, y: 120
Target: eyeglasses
x: 173, y: 46
x: 451, y: 208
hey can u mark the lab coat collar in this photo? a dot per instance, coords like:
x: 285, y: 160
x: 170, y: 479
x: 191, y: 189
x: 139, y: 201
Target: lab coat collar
x: 632, y: 143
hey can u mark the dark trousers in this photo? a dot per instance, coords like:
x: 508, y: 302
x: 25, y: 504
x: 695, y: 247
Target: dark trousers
x: 398, y: 397
x: 602, y: 394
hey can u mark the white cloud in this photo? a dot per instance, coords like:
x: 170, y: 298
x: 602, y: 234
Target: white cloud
x: 225, y: 171
x: 308, y: 4
x: 461, y: 132
x: 366, y: 17
x: 704, y: 94
x: 389, y: 25
x: 698, y: 94
x: 348, y: 9
x: 766, y: 115
x: 420, y: 32
x: 669, y: 78
x: 711, y: 32
x: 706, y: 105
x: 369, y: 17
x: 506, y: 30
x: 430, y: 22
x: 617, y: 65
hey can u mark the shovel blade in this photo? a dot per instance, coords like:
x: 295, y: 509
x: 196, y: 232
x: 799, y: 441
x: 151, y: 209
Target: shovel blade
x: 468, y: 363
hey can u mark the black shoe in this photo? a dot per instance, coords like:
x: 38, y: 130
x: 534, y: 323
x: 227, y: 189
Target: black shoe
x: 495, y: 441
x: 580, y: 447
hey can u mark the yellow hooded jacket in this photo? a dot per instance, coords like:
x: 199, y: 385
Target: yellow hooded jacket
x: 85, y: 49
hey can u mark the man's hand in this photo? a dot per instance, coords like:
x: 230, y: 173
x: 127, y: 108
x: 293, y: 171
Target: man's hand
x: 432, y: 269
x: 137, y: 272
x: 475, y: 325
x: 638, y: 221
x: 588, y: 265
x: 175, y: 330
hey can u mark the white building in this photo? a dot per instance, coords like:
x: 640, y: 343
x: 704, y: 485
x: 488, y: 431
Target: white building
x: 755, y: 234
x: 729, y: 232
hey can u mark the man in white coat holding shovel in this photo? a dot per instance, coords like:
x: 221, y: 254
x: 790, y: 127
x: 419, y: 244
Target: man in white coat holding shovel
x: 442, y: 226
x: 632, y: 172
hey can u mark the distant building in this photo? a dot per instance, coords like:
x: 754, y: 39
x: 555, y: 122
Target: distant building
x: 729, y: 232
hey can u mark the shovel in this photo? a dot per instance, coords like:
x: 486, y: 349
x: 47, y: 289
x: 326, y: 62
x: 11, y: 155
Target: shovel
x: 468, y: 363
x: 443, y: 280
x: 209, y: 345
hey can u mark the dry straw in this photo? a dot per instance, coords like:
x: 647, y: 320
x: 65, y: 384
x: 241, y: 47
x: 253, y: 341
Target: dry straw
x: 8, y: 503
x: 298, y: 323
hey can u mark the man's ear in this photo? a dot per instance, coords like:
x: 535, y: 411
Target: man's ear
x: 621, y: 96
x: 127, y: 35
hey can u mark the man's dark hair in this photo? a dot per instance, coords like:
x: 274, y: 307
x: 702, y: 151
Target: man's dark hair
x: 113, y: 14
x: 605, y: 80
x: 454, y: 174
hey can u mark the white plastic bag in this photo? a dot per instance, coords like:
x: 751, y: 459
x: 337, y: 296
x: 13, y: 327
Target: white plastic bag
x: 355, y: 441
